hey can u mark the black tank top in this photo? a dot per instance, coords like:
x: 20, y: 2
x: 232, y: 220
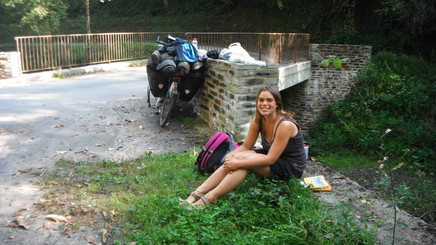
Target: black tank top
x: 294, y: 151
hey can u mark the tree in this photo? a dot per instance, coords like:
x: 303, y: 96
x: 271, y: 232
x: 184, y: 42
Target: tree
x: 39, y: 16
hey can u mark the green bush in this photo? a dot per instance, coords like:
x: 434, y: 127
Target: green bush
x: 394, y: 93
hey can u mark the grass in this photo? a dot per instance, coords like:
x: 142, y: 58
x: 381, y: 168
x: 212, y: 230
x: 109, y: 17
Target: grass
x: 341, y: 163
x: 139, y: 200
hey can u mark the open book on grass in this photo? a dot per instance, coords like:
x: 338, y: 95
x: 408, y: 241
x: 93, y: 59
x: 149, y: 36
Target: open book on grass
x: 318, y: 183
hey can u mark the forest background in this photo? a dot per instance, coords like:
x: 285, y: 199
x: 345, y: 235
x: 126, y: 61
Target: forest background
x: 388, y: 118
x: 401, y: 26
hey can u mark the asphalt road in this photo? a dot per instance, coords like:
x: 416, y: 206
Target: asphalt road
x: 83, y: 118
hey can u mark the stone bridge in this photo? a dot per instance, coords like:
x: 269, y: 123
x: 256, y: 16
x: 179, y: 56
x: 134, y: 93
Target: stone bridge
x: 227, y: 101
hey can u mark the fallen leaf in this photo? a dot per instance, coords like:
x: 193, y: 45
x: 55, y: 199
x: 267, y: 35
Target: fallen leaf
x: 28, y: 206
x: 22, y: 223
x: 365, y: 201
x: 25, y: 170
x: 398, y: 166
x: 98, y: 145
x: 56, y: 218
x: 47, y: 225
x: 107, y: 226
x: 86, y: 210
x: 13, y: 224
x: 68, y: 231
x: 91, y: 239
x: 104, y: 236
x: 59, y: 126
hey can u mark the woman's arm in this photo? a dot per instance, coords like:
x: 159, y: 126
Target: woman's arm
x: 285, y: 131
x: 250, y: 139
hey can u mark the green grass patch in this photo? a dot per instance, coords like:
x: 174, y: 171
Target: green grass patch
x: 341, y: 163
x: 142, y: 197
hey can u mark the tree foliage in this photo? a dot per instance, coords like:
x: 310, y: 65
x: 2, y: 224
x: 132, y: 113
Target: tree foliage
x: 38, y: 16
x: 390, y: 111
x: 402, y: 26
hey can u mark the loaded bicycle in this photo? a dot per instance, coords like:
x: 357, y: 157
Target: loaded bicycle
x: 174, y: 73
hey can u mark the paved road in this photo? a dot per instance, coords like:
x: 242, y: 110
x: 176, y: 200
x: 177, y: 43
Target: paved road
x: 83, y: 118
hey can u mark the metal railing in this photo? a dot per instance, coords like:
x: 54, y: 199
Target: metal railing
x: 59, y: 51
x: 275, y: 48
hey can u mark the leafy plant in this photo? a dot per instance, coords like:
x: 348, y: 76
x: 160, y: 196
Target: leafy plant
x: 335, y: 61
x: 384, y: 116
x: 394, y: 92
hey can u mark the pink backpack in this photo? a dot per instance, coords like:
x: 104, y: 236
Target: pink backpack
x: 213, y: 154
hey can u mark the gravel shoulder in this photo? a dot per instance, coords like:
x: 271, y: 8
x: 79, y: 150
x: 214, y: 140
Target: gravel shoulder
x: 104, y: 115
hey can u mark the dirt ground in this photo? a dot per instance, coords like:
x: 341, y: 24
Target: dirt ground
x: 95, y: 116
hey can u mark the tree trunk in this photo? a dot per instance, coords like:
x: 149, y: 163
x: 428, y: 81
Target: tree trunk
x: 88, y: 17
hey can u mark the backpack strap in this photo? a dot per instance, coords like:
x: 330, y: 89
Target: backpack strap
x: 232, y: 146
x: 210, y: 148
x: 211, y: 141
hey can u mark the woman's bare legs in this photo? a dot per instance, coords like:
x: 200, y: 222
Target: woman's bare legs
x: 209, y: 184
x: 221, y: 182
x: 227, y: 184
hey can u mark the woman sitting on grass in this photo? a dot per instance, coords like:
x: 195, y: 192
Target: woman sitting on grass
x: 281, y: 158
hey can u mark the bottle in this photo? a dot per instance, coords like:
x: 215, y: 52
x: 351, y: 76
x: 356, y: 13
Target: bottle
x: 195, y: 43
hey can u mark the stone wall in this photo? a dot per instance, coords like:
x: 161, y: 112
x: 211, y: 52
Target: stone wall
x: 310, y: 98
x: 9, y: 65
x: 226, y: 102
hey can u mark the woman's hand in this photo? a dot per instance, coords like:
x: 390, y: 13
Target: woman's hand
x: 230, y: 165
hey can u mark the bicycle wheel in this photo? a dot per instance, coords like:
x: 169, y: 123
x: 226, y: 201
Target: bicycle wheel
x: 167, y: 107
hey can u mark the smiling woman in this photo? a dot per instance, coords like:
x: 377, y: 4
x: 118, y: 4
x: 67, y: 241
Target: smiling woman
x: 282, y: 156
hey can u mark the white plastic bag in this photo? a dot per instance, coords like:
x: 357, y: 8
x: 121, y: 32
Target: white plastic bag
x: 236, y: 53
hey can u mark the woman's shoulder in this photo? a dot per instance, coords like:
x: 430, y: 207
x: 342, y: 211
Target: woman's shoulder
x: 288, y: 120
x: 288, y: 124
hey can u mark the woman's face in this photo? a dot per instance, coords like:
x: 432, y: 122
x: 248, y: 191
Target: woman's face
x: 266, y: 103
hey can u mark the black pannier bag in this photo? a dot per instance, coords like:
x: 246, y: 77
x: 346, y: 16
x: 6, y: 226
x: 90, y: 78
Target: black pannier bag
x: 190, y: 85
x: 157, y: 80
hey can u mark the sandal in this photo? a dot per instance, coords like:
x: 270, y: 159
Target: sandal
x: 206, y: 201
x: 193, y: 194
x: 192, y: 206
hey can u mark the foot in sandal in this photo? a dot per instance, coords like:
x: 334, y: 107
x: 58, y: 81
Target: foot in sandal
x: 192, y: 198
x: 203, y: 201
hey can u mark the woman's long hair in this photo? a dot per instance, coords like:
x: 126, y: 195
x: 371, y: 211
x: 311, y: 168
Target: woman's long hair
x: 277, y: 98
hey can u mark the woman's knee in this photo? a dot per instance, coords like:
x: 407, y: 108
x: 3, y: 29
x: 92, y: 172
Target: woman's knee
x: 244, y: 155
